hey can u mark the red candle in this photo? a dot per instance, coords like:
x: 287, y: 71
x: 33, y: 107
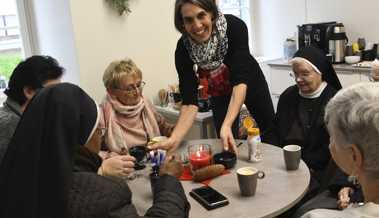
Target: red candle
x: 200, y: 159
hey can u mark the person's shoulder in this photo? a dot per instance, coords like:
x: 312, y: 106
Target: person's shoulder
x: 8, y: 118
x: 180, y: 44
x: 232, y: 18
x: 290, y: 92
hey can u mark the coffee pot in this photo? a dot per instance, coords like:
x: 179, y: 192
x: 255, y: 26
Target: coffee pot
x: 337, y: 42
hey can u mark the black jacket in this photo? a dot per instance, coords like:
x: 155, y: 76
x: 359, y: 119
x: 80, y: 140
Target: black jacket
x: 94, y: 196
x: 315, y: 150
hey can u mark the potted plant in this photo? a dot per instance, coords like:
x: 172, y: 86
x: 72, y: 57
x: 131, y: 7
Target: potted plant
x: 122, y: 6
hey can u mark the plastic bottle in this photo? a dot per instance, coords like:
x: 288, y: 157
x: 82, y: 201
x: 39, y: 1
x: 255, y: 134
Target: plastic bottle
x: 289, y: 48
x: 253, y: 142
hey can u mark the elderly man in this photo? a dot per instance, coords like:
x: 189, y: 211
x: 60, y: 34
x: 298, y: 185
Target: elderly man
x: 30, y: 75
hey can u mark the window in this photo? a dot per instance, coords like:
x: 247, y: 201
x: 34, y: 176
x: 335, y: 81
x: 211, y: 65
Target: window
x: 11, y: 49
x: 239, y: 8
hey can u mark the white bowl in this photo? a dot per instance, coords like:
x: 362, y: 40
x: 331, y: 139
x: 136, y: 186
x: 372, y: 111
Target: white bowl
x: 352, y: 59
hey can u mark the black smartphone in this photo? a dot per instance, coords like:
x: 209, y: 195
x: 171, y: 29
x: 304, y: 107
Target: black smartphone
x: 209, y: 197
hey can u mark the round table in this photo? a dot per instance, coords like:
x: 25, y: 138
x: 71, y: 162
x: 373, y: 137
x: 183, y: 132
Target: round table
x: 276, y: 193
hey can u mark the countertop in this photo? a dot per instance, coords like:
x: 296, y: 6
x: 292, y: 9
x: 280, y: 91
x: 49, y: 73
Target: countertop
x: 337, y: 67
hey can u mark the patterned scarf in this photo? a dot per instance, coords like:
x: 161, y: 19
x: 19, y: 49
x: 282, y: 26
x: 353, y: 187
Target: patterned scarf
x: 209, y: 55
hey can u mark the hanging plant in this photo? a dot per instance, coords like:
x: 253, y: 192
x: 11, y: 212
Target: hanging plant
x: 122, y: 6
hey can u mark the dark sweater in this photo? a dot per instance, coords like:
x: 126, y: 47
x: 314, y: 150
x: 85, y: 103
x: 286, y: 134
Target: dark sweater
x: 243, y: 67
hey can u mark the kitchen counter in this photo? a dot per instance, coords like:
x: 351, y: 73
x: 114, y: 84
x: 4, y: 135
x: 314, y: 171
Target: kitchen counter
x: 337, y: 67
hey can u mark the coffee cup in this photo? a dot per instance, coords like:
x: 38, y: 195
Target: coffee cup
x: 292, y: 156
x: 247, y: 180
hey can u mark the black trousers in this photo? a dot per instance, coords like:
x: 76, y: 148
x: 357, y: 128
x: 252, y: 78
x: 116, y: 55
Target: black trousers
x: 258, y: 102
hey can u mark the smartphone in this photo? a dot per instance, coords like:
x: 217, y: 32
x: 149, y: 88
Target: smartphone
x: 209, y: 197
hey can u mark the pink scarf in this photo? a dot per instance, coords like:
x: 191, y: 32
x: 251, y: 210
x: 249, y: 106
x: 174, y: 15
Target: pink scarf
x: 123, y: 122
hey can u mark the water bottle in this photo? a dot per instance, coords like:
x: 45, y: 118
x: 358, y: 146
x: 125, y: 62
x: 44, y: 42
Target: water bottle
x: 289, y: 49
x: 253, y: 142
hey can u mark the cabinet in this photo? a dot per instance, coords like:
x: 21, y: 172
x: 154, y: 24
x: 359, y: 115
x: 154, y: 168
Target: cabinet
x: 279, y: 79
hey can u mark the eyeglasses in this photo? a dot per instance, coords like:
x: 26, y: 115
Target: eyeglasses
x: 301, y: 76
x: 131, y: 89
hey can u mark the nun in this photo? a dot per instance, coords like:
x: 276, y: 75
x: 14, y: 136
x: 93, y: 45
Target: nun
x: 299, y: 117
x: 40, y: 176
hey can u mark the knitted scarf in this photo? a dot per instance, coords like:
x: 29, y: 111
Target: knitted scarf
x: 209, y: 55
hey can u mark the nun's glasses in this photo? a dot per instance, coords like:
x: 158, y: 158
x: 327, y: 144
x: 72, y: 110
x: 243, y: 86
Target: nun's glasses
x: 306, y: 76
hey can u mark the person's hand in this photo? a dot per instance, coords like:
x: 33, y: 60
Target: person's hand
x: 106, y: 154
x: 227, y: 138
x: 169, y: 145
x: 117, y: 166
x: 343, y: 197
x: 171, y: 167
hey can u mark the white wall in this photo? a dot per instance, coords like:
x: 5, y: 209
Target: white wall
x: 277, y: 19
x: 360, y: 18
x: 274, y: 22
x: 51, y: 30
x: 147, y: 35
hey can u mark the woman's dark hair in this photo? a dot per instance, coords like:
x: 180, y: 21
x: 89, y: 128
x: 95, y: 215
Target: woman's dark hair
x: 207, y: 5
x: 32, y: 72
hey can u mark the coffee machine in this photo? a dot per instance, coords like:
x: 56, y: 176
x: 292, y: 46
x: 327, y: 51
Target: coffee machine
x: 315, y: 34
x: 337, y: 42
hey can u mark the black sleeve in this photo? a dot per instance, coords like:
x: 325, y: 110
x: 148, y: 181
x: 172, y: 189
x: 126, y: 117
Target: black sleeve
x: 273, y: 134
x: 169, y: 199
x: 242, y: 65
x: 188, y: 81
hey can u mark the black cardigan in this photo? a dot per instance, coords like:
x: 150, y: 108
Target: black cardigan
x: 315, y: 150
x: 243, y: 67
x: 93, y: 196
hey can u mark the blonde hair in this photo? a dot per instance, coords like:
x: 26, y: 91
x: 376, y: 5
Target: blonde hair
x: 117, y: 70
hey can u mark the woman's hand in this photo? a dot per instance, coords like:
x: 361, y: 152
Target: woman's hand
x: 344, y: 198
x: 171, y: 167
x: 169, y: 145
x: 117, y: 166
x: 228, y: 139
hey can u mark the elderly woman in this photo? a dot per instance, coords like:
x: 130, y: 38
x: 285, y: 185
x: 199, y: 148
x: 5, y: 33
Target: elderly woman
x: 215, y: 47
x: 300, y: 112
x: 129, y: 117
x: 41, y: 177
x: 299, y: 116
x: 352, y: 118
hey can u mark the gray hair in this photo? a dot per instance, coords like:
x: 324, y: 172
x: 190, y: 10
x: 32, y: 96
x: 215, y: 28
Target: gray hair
x: 352, y: 117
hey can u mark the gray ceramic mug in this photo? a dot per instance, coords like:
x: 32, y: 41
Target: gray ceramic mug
x: 292, y: 156
x: 247, y: 180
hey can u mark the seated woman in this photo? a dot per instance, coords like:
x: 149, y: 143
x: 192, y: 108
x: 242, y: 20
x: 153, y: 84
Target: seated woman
x: 352, y: 118
x: 129, y: 117
x: 299, y: 116
x: 39, y: 177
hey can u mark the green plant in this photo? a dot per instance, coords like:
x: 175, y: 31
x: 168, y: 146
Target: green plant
x: 122, y: 6
x: 7, y: 63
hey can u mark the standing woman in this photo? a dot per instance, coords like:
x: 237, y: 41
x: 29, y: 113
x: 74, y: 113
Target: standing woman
x: 215, y: 46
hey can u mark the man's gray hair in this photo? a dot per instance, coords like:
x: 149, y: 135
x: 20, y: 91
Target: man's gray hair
x: 352, y: 117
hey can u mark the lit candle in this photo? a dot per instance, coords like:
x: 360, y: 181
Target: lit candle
x: 199, y: 159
